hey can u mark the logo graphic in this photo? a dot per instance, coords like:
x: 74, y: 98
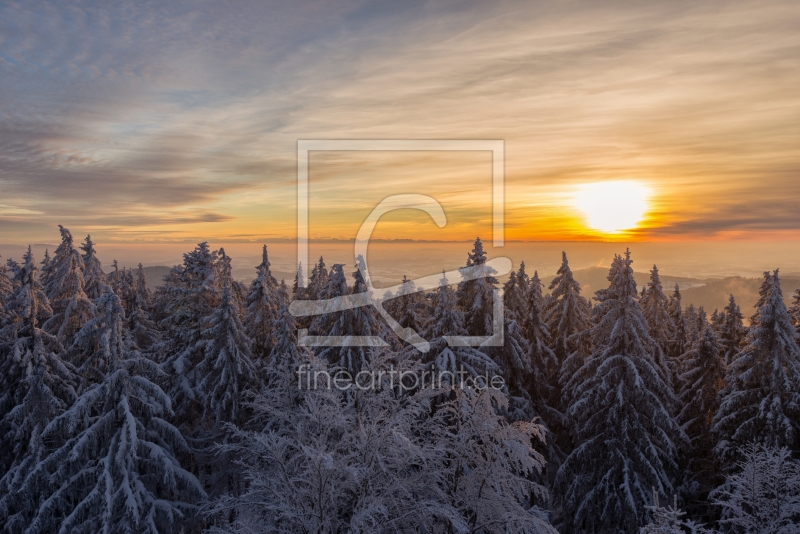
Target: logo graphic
x: 501, y: 266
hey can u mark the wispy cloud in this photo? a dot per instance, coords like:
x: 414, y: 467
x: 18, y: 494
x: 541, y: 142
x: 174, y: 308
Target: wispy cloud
x: 111, y: 113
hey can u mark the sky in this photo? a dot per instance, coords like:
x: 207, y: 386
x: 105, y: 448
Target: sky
x: 174, y: 122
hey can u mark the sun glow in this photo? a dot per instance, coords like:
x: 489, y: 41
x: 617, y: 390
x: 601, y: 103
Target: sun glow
x: 612, y: 207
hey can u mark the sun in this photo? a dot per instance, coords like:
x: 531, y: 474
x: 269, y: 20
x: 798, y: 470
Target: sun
x: 614, y: 206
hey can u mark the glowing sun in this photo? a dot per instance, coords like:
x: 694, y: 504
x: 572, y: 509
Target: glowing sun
x: 612, y: 206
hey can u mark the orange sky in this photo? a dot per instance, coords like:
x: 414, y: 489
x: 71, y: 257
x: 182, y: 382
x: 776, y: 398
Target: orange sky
x: 186, y: 128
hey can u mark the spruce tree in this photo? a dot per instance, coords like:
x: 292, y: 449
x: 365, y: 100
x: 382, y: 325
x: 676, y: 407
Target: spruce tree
x: 285, y: 351
x: 262, y: 308
x: 626, y: 439
x: 37, y: 385
x: 444, y: 360
x: 670, y: 520
x: 795, y: 309
x: 718, y: 320
x: 409, y: 306
x: 114, y: 277
x: 298, y: 289
x: 543, y: 361
x: 61, y: 263
x: 45, y: 388
x: 226, y: 369
x: 655, y: 307
x: 93, y: 275
x: 761, y: 400
x: 27, y: 304
x: 318, y: 281
x: 475, y: 297
x: 189, y: 297
x: 701, y: 381
x: 356, y: 322
x: 691, y: 318
x: 71, y: 306
x: 762, y: 495
x: 523, y: 280
x: 513, y: 357
x: 113, y: 465
x: 732, y: 331
x: 567, y: 317
x: 514, y: 297
x: 6, y: 288
x: 144, y: 331
x: 44, y: 272
x: 567, y: 312
x: 679, y: 332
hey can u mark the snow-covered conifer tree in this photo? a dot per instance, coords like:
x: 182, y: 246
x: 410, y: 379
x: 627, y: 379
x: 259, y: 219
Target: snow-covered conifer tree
x: 318, y: 281
x: 567, y: 312
x: 670, y: 520
x: 285, y: 351
x: 61, y: 263
x: 144, y: 331
x: 763, y: 495
x: 701, y: 381
x: 655, y: 307
x: 761, y: 399
x: 190, y: 295
x: 490, y: 464
x: 691, y: 319
x: 71, y: 307
x: 93, y: 275
x: 514, y: 297
x: 44, y: 389
x: 718, y: 320
x: 44, y: 272
x: 522, y: 278
x: 626, y: 440
x: 27, y: 304
x: 543, y: 361
x: 409, y: 307
x: 100, y: 343
x: 794, y: 310
x: 6, y: 288
x: 475, y: 297
x: 513, y: 357
x: 226, y: 369
x: 36, y: 387
x: 444, y: 360
x: 298, y: 289
x: 330, y: 462
x: 262, y: 308
x: 732, y: 331
x: 113, y: 465
x: 567, y: 317
x: 355, y: 322
x: 679, y: 333
x: 114, y: 277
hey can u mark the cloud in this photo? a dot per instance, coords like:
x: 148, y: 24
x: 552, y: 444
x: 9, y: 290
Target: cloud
x: 111, y: 112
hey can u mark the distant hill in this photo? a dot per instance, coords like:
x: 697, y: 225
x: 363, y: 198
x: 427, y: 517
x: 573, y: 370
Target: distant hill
x: 714, y: 294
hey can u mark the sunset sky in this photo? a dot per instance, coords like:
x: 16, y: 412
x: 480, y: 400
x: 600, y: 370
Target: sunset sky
x: 179, y: 121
